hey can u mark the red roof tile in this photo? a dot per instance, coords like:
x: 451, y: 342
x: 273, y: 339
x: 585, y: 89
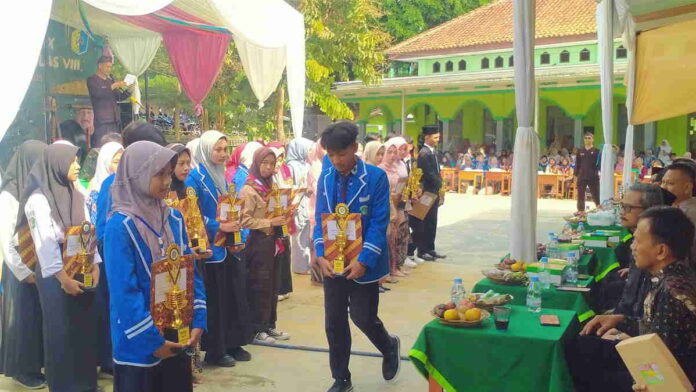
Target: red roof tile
x: 491, y: 26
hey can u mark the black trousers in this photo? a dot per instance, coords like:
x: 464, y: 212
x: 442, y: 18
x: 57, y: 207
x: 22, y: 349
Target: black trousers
x: 429, y: 229
x: 416, y: 229
x: 171, y: 375
x: 596, y: 366
x: 583, y: 183
x: 361, y: 301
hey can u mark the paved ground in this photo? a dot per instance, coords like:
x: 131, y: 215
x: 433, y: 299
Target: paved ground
x: 473, y: 232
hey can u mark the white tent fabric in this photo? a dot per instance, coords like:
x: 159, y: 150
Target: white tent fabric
x: 605, y: 36
x: 629, y: 37
x: 129, y: 7
x: 25, y: 46
x: 136, y: 54
x: 524, y: 171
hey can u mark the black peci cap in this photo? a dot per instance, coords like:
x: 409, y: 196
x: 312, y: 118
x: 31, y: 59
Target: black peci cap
x: 430, y: 129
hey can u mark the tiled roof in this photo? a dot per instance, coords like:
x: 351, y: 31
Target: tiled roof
x: 490, y: 26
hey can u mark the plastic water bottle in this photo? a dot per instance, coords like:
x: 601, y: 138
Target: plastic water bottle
x: 567, y: 228
x: 544, y: 273
x: 571, y: 273
x: 581, y: 228
x: 458, y: 292
x: 534, y: 295
x: 552, y: 247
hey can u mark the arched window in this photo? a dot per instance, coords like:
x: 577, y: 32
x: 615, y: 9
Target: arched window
x: 585, y: 55
x: 564, y: 57
x: 436, y: 67
x: 449, y: 66
x: 485, y: 63
x: 499, y: 62
x: 462, y: 65
x: 511, y: 61
x: 545, y: 58
x: 621, y: 52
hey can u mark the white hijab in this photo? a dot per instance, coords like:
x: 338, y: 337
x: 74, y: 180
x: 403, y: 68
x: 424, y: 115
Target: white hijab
x: 103, y: 169
x: 247, y: 157
x: 203, y: 156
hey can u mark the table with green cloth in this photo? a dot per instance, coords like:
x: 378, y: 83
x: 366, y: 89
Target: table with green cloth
x: 550, y: 299
x: 526, y: 357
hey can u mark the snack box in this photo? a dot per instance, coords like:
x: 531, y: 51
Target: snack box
x: 555, y: 272
x: 602, y: 238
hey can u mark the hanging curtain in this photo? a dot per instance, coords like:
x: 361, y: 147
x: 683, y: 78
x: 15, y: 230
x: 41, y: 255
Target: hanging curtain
x: 129, y: 7
x: 524, y: 171
x: 136, y: 54
x: 266, y: 67
x: 605, y: 36
x: 628, y: 27
x: 24, y: 44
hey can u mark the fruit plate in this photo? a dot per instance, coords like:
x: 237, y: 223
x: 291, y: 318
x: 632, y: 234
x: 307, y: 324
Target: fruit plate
x: 505, y: 277
x: 463, y: 323
x: 489, y: 304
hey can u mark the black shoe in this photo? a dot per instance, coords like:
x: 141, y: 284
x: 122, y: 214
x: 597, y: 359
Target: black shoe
x: 223, y: 361
x: 386, y: 288
x: 382, y: 290
x: 426, y: 257
x: 391, y: 364
x: 240, y: 354
x: 31, y: 381
x: 341, y: 386
x: 437, y: 255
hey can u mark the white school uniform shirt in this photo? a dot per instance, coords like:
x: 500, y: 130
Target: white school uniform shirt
x: 8, y: 238
x: 47, y: 234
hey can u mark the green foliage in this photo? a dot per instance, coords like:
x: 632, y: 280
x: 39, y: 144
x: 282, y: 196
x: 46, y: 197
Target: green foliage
x: 406, y: 18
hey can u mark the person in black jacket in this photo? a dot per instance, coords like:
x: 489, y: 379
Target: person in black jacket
x: 105, y: 93
x: 587, y: 171
x: 431, y: 181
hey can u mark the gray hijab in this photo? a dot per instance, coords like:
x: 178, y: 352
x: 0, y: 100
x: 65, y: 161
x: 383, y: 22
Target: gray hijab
x: 131, y: 193
x: 297, y: 158
x: 203, y: 156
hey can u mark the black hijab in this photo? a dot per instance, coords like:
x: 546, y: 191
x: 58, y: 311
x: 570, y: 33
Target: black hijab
x: 50, y: 176
x: 177, y: 185
x: 20, y: 165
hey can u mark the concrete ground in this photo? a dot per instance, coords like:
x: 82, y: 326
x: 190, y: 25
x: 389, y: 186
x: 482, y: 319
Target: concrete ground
x: 473, y: 231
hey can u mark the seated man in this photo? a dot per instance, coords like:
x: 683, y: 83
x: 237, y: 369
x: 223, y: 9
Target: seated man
x: 663, y: 240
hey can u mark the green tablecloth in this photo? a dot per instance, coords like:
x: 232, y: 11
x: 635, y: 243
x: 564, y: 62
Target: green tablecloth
x: 550, y: 299
x: 589, y: 228
x: 526, y: 357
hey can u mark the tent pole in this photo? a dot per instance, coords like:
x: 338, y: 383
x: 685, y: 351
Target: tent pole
x: 147, y: 103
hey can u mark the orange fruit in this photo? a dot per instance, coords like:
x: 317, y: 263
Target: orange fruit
x: 472, y: 314
x: 451, y: 314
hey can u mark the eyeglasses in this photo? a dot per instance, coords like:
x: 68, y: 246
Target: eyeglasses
x: 628, y: 208
x: 588, y: 137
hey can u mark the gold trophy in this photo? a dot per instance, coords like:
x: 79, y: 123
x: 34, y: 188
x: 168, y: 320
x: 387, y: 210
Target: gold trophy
x: 416, y: 186
x: 278, y: 210
x: 233, y: 238
x: 194, y: 221
x: 175, y: 299
x: 339, y: 263
x: 85, y: 259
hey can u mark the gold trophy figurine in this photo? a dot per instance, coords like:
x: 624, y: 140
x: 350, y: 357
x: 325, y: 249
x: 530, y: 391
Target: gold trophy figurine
x: 175, y: 299
x: 85, y: 258
x: 234, y: 238
x: 194, y: 221
x: 278, y: 210
x: 416, y: 186
x: 339, y: 263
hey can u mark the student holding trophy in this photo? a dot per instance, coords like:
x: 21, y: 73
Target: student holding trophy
x: 158, y: 311
x: 54, y: 208
x: 358, y: 255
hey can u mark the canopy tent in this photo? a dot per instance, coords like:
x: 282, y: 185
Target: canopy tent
x: 269, y: 35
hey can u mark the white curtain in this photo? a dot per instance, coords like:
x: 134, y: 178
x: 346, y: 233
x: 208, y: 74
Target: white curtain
x: 627, y: 25
x: 605, y: 36
x: 524, y: 170
x: 129, y: 7
x: 136, y: 54
x: 24, y: 44
x: 263, y: 66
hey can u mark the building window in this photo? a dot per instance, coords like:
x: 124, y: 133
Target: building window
x: 511, y: 61
x: 499, y: 62
x: 545, y: 58
x: 436, y: 67
x: 449, y: 66
x: 485, y: 63
x: 585, y: 55
x: 564, y: 57
x: 462, y: 65
x: 621, y: 52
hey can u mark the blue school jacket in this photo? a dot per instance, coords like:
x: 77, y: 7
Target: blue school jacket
x: 368, y: 195
x: 103, y: 206
x: 239, y: 180
x: 133, y: 333
x: 208, y: 194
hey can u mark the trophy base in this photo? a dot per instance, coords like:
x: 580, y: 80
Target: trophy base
x: 199, y: 243
x: 87, y: 280
x: 181, y: 335
x: 281, y: 232
x: 233, y: 239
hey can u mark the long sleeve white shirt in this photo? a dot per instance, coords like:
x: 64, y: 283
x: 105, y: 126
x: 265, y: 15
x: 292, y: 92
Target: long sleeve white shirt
x: 8, y: 238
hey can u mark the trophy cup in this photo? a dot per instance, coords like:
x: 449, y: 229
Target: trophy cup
x: 194, y: 221
x: 416, y: 186
x: 231, y: 215
x: 278, y: 210
x: 175, y: 299
x: 339, y: 263
x: 84, y: 258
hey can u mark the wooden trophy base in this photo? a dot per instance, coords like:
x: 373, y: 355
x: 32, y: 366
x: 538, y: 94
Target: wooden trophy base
x: 281, y: 232
x: 87, y: 280
x: 233, y: 239
x: 180, y: 336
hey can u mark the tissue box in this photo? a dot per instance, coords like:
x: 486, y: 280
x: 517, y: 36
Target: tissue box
x: 555, y: 272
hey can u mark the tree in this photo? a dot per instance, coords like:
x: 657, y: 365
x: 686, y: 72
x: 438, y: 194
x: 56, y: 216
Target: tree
x: 406, y: 18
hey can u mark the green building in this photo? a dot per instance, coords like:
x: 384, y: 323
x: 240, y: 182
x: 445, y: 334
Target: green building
x: 460, y: 74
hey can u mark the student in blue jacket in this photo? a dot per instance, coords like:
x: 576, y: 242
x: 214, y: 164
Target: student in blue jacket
x: 140, y: 230
x: 225, y: 272
x: 365, y: 189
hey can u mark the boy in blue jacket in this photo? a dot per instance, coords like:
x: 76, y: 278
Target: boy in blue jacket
x: 365, y: 189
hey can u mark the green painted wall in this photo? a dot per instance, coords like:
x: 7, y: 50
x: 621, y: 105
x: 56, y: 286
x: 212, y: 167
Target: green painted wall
x: 676, y: 131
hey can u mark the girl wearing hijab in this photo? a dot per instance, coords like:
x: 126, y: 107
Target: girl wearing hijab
x: 225, y: 272
x: 300, y: 240
x: 283, y: 176
x: 374, y: 152
x: 107, y: 163
x: 240, y: 176
x: 234, y: 162
x: 262, y: 248
x: 315, y: 155
x: 398, y: 231
x: 21, y: 344
x: 284, y: 180
x: 140, y: 230
x: 192, y: 146
x: 51, y: 205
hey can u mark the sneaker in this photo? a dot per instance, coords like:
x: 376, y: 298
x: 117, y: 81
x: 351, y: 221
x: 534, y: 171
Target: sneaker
x: 391, y: 364
x: 278, y: 335
x: 263, y: 337
x: 426, y: 257
x: 410, y: 263
x: 417, y: 260
x: 281, y: 298
x: 240, y: 354
x: 341, y: 386
x: 31, y: 381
